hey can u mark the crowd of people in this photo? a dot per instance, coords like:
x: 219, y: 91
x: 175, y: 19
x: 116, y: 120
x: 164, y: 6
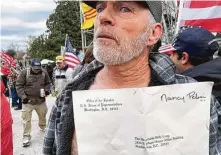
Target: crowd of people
x: 126, y: 53
x: 28, y: 87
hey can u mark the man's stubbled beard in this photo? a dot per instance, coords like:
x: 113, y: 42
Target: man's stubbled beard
x: 121, y: 51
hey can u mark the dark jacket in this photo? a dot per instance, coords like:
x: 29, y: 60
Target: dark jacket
x: 78, y: 69
x: 29, y: 85
x: 210, y: 71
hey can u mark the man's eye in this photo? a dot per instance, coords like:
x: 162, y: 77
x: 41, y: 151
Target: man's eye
x: 99, y: 9
x: 125, y: 9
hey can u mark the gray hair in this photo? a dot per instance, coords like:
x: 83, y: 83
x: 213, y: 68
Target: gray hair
x: 151, y: 18
x: 151, y: 22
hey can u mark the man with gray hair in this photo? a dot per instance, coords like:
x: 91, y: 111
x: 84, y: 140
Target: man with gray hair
x: 124, y: 34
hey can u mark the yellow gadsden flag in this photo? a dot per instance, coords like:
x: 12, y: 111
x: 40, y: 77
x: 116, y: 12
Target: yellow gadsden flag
x: 89, y: 16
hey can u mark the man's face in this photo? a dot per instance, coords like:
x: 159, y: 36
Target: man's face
x: 121, y: 31
x: 60, y: 65
x: 36, y: 70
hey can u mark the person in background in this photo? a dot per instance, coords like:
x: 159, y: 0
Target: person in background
x: 5, y: 82
x: 62, y: 74
x: 16, y: 101
x: 33, y: 85
x: 192, y: 52
x: 20, y: 65
x: 49, y: 69
x: 80, y: 54
x: 4, y: 77
x: 124, y: 34
x: 156, y: 47
x: 87, y: 59
x: 6, y: 124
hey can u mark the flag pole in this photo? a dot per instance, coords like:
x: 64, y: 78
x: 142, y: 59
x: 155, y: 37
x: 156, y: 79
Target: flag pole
x: 180, y: 9
x: 165, y: 29
x: 61, y: 51
x: 65, y: 44
x: 66, y: 38
x: 82, y: 30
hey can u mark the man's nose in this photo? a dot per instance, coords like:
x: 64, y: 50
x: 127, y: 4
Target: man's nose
x: 106, y: 16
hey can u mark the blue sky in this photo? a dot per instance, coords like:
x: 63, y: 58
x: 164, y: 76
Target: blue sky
x: 22, y: 18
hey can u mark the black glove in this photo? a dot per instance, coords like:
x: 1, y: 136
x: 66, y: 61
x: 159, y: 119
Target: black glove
x: 47, y: 93
x: 25, y: 101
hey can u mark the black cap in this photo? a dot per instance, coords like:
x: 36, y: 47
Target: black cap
x: 36, y: 64
x: 196, y: 41
x: 155, y: 7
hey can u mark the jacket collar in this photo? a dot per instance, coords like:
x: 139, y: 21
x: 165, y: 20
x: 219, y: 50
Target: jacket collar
x: 161, y: 66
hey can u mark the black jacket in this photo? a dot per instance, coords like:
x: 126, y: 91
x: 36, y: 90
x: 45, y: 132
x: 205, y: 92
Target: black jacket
x: 210, y: 71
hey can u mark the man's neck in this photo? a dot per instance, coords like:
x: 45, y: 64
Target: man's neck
x: 135, y: 73
x: 186, y: 67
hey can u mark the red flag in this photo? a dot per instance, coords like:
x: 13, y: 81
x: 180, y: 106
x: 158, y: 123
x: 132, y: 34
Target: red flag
x: 206, y: 14
x: 5, y: 70
x: 9, y: 60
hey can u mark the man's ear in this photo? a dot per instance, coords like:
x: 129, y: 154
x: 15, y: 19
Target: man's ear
x: 156, y: 32
x: 185, y: 58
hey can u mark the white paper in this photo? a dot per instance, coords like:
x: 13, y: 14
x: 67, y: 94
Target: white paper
x: 162, y: 120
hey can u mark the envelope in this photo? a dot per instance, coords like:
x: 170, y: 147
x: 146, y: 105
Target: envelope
x: 168, y: 120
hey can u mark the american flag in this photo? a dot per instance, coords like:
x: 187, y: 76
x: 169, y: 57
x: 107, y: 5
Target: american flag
x: 167, y: 49
x: 201, y: 13
x: 70, y: 58
x: 9, y: 60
